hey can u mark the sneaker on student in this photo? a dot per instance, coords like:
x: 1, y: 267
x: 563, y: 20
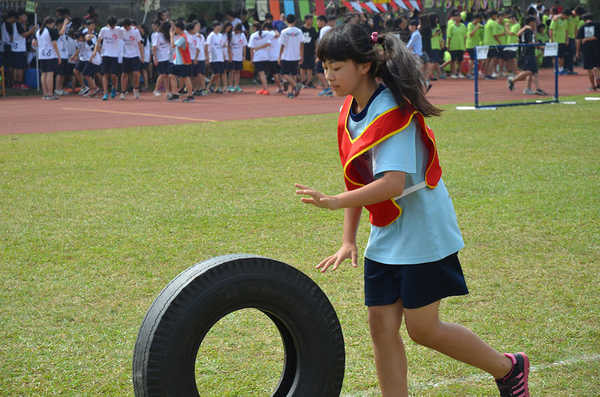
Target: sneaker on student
x: 113, y: 93
x: 136, y: 93
x: 328, y: 94
x: 290, y: 95
x: 443, y: 76
x: 105, y: 97
x: 489, y: 77
x: 280, y: 91
x: 91, y: 93
x: 84, y: 90
x: 541, y: 92
x: 238, y: 89
x: 173, y: 98
x: 432, y: 78
x: 24, y: 87
x: 454, y: 76
x: 324, y: 92
x: 297, y: 89
x: 219, y: 91
x: 260, y: 92
x: 59, y: 92
x: 461, y: 76
x: 494, y: 75
x: 528, y: 91
x: 515, y: 384
x: 157, y: 93
x: 469, y: 76
x: 572, y: 72
x: 511, y: 85
x: 266, y: 92
x: 591, y: 89
x: 45, y: 97
x: 53, y: 97
x: 169, y: 95
x: 188, y: 99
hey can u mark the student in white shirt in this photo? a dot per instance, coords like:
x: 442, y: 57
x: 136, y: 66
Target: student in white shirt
x: 259, y: 44
x: 62, y: 71
x: 146, y: 43
x: 291, y: 54
x: 45, y: 40
x: 227, y: 33
x: 18, y: 57
x: 237, y: 49
x: 324, y: 25
x: 214, y: 46
x: 161, y: 49
x: 133, y: 56
x: 109, y: 42
x: 6, y: 43
x: 198, y: 54
x: 274, y: 48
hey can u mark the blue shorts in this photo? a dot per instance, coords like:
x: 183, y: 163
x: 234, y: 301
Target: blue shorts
x: 199, y: 68
x: 319, y: 68
x: 261, y: 66
x: 109, y: 65
x: 131, y: 65
x: 235, y: 65
x: 530, y: 64
x: 80, y: 65
x: 416, y: 285
x: 18, y: 60
x: 274, y: 67
x: 289, y: 68
x: 49, y: 65
x: 179, y: 70
x: 63, y: 69
x: 163, y: 67
x: 217, y: 67
x: 434, y: 56
x: 6, y: 56
x: 90, y: 69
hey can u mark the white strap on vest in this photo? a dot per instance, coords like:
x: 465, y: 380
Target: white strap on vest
x: 411, y: 189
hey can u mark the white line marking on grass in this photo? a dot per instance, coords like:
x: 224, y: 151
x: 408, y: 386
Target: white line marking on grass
x: 482, y: 377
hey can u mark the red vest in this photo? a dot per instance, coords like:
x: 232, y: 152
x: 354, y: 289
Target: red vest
x: 185, y: 52
x: 356, y: 170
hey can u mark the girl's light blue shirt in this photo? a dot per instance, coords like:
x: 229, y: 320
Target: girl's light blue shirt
x: 427, y: 230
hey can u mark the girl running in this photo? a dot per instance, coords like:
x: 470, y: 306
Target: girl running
x: 391, y: 166
x: 45, y: 40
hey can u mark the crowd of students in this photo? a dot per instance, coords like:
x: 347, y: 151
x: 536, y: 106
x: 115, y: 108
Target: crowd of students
x: 187, y: 56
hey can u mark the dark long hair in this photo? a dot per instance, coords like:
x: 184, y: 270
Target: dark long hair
x: 47, y: 21
x: 390, y: 60
x: 258, y: 27
x: 165, y: 29
x: 225, y: 26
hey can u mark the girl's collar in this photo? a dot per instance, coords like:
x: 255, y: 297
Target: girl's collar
x: 363, y: 113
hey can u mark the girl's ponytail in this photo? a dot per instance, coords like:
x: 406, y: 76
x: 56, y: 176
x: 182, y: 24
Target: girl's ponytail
x: 258, y: 27
x: 401, y: 72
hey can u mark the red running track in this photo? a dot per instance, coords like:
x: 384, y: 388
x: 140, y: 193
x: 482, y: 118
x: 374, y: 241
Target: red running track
x: 22, y: 115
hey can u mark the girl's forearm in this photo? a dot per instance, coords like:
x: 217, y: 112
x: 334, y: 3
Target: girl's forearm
x: 389, y: 186
x: 351, y: 222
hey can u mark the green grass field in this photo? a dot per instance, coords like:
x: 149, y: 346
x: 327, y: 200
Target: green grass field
x: 93, y: 224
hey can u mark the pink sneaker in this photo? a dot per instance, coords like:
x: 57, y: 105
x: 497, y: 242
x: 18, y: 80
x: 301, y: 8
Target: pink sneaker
x: 515, y: 384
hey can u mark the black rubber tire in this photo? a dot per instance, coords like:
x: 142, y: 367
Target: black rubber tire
x: 187, y: 308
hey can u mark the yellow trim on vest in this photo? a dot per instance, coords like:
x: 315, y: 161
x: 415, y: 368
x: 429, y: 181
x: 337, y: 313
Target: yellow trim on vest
x: 434, y: 154
x: 373, y: 144
x: 367, y: 127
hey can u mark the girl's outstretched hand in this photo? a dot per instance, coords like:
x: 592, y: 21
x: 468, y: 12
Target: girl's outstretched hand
x: 316, y: 198
x: 347, y: 250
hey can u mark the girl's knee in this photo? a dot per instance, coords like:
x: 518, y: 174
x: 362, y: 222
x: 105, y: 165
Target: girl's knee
x: 423, y: 334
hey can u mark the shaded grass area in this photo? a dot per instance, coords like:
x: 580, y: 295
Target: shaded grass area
x: 95, y: 223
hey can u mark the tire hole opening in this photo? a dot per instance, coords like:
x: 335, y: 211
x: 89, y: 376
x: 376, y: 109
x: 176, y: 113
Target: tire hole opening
x: 242, y: 354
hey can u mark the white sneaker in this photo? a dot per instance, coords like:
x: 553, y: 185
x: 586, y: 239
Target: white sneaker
x: 136, y: 94
x: 454, y: 76
x: 169, y: 95
x: 157, y: 93
x: 84, y: 90
x: 528, y: 91
x: 503, y: 74
x: 494, y: 75
x: 122, y: 96
x: 461, y: 76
